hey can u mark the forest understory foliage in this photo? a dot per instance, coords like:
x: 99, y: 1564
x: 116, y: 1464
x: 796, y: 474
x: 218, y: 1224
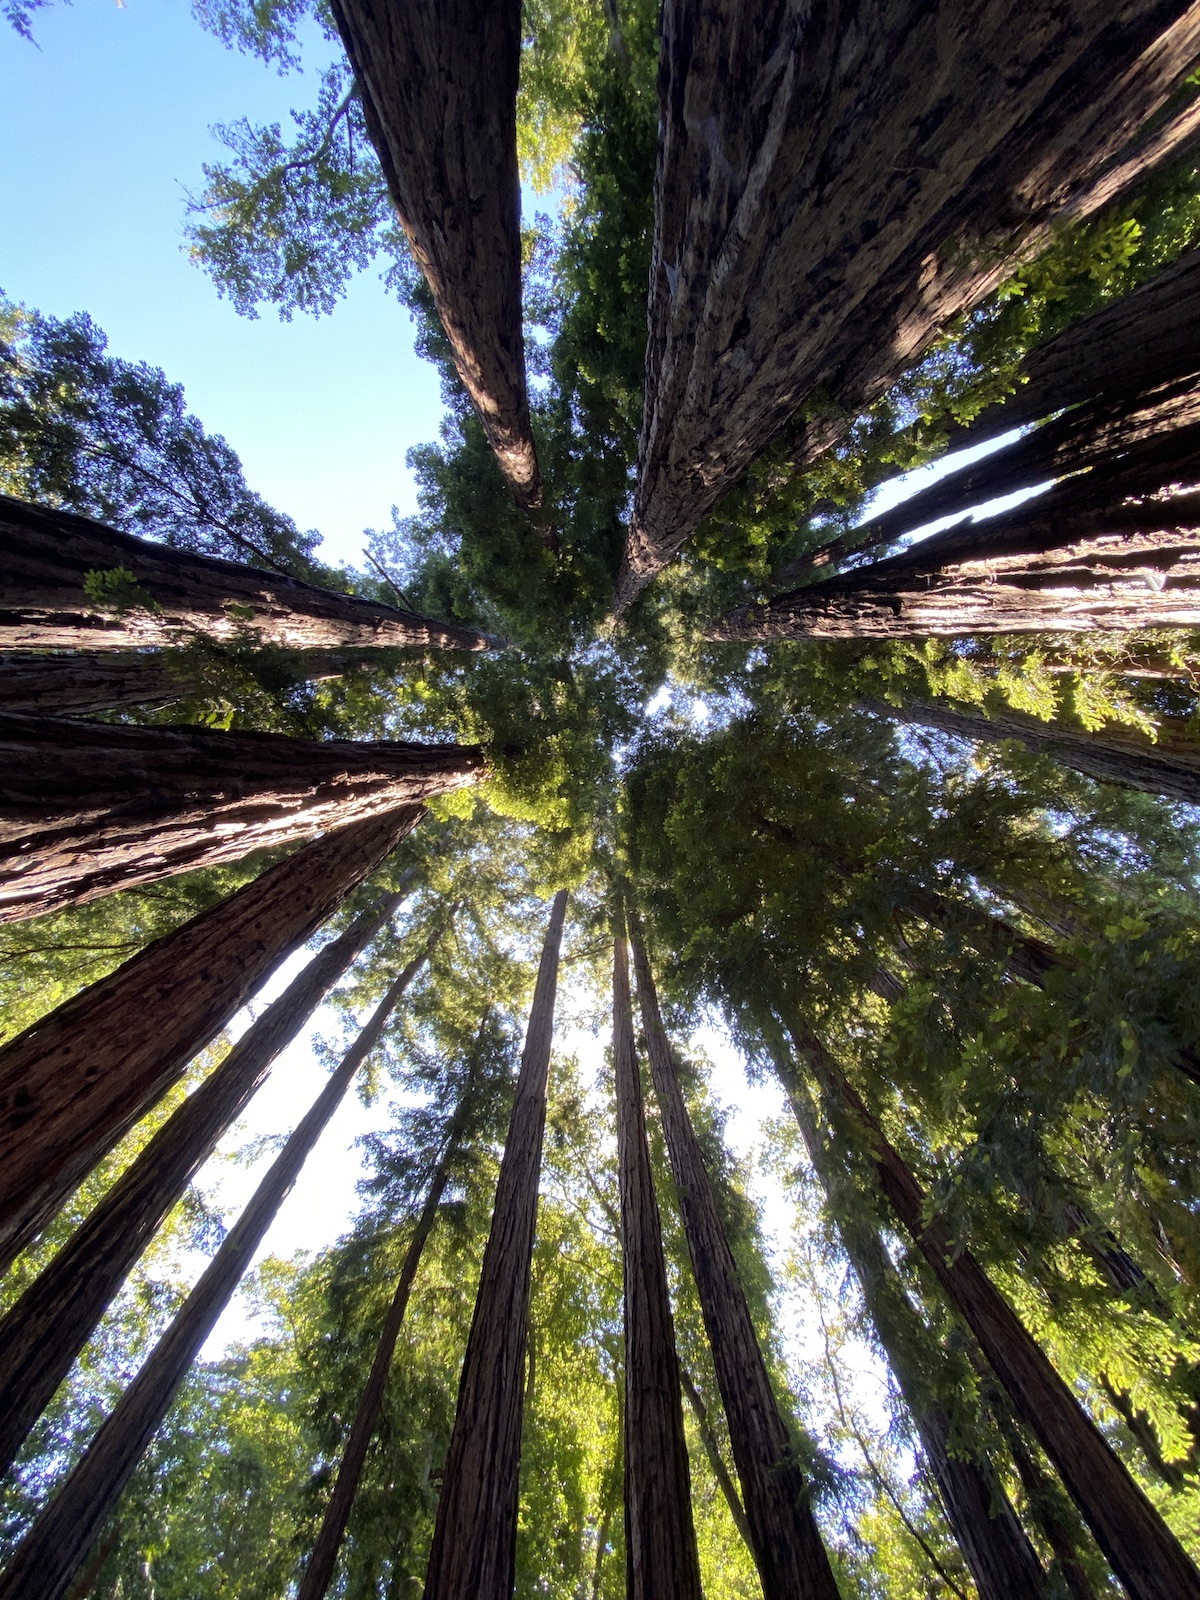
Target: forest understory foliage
x: 930, y: 898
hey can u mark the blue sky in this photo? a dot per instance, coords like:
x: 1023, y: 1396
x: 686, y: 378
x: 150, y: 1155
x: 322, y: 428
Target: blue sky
x: 103, y: 126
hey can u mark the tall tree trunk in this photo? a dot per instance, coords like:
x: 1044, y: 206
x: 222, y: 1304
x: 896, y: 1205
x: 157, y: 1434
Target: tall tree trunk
x: 319, y: 1572
x: 166, y: 595
x: 988, y: 1532
x: 785, y: 1541
x: 88, y: 807
x: 438, y: 80
x: 660, y: 1539
x: 712, y: 1449
x: 59, y: 1540
x: 1169, y: 766
x: 474, y: 1537
x: 41, y: 1335
x: 1047, y: 1509
x: 77, y: 1080
x: 835, y: 187
x: 1141, y: 1549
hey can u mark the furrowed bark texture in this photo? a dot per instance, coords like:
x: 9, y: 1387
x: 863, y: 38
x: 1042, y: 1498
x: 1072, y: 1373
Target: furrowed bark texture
x: 660, y: 1539
x: 41, y: 1335
x: 57, y: 1544
x: 784, y: 1538
x: 80, y: 682
x: 835, y: 183
x: 474, y: 1537
x: 994, y: 1545
x: 1142, y: 1551
x: 438, y: 80
x: 76, y: 1081
x: 88, y: 807
x: 321, y: 1563
x: 44, y: 604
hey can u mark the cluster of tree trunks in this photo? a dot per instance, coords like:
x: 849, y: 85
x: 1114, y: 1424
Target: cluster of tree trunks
x: 69, y: 583
x: 73, y: 1083
x: 474, y: 1537
x: 438, y: 82
x: 58, y: 1542
x: 88, y: 807
x: 832, y: 190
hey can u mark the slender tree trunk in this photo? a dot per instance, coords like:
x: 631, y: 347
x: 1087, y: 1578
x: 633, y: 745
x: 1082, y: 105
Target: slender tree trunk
x: 76, y: 1081
x: 438, y: 80
x: 1046, y: 1511
x: 833, y: 188
x: 1141, y: 1549
x: 41, y: 1335
x: 712, y: 1449
x: 168, y: 595
x: 785, y: 1541
x: 474, y: 1537
x: 660, y: 1539
x: 89, y: 807
x: 58, y: 1542
x: 321, y: 1563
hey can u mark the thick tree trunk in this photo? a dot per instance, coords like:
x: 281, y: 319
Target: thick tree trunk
x: 88, y: 807
x: 660, y: 1539
x: 169, y: 595
x: 438, y: 80
x: 785, y: 1541
x: 834, y: 186
x: 41, y: 1335
x: 474, y: 1537
x: 319, y: 1572
x: 76, y: 1081
x: 58, y: 1542
x: 1145, y: 1555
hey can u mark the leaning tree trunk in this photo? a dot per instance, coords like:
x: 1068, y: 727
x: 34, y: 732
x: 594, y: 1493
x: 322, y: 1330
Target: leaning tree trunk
x: 1169, y: 765
x: 1048, y: 1510
x: 988, y: 1532
x: 474, y: 1537
x: 1143, y: 1552
x: 784, y: 1538
x: 73, y: 1083
x: 835, y: 186
x: 69, y: 583
x: 88, y: 807
x: 660, y: 1539
x: 438, y: 80
x: 319, y: 1572
x: 58, y: 1542
x: 41, y: 1335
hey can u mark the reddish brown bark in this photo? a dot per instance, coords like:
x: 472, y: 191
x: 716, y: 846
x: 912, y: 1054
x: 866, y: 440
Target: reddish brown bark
x: 73, y: 1083
x: 834, y: 186
x: 474, y: 1537
x: 660, y: 1539
x: 44, y: 604
x: 88, y: 807
x: 784, y: 1538
x: 438, y: 80
x: 57, y: 1544
x: 41, y: 1335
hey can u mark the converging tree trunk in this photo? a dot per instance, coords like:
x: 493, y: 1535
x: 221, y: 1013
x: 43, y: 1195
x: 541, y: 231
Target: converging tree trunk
x: 784, y: 1538
x: 77, y: 1080
x: 474, y: 1536
x: 1145, y: 1555
x: 69, y: 583
x: 438, y: 80
x: 58, y: 1542
x: 660, y: 1539
x: 88, y: 807
x: 833, y: 188
x: 41, y: 1335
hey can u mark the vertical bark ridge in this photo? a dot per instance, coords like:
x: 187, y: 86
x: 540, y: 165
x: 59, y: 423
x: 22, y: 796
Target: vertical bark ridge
x: 474, y: 1538
x: 41, y: 1335
x: 784, y: 1538
x: 660, y: 1539
x: 77, y: 1080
